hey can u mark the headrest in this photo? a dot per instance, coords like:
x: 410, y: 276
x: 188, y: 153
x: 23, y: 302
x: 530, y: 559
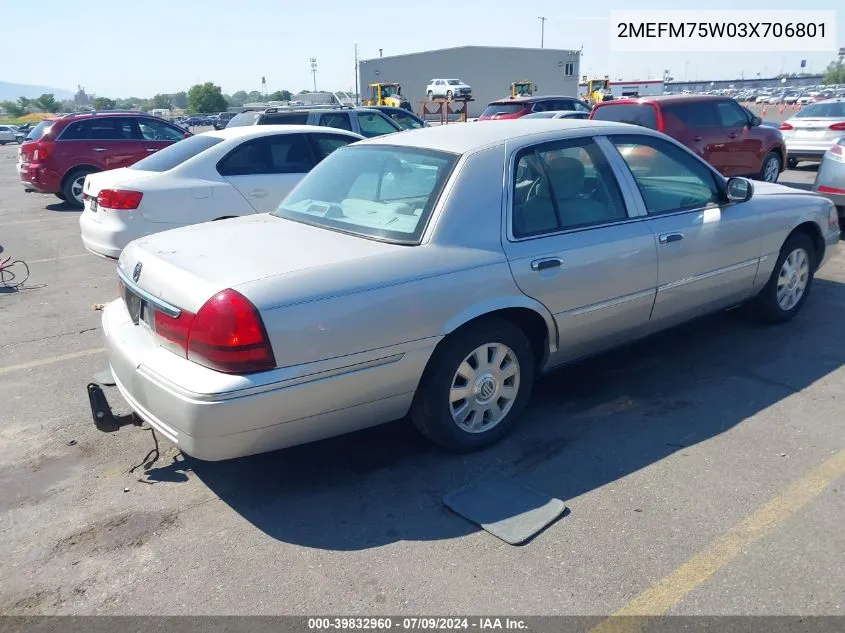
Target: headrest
x: 567, y: 176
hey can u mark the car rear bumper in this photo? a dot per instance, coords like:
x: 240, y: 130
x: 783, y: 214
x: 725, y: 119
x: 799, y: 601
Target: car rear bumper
x: 37, y: 177
x: 244, y: 415
x: 107, y: 236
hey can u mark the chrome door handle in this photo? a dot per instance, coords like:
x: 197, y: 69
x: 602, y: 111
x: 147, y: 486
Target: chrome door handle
x: 152, y: 149
x: 99, y: 149
x: 667, y: 238
x: 545, y: 264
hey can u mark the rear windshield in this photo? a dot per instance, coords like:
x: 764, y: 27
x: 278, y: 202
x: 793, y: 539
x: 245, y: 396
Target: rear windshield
x: 823, y: 110
x: 502, y: 108
x: 176, y: 154
x: 39, y: 130
x: 635, y: 113
x: 244, y: 118
x: 285, y: 118
x: 378, y: 192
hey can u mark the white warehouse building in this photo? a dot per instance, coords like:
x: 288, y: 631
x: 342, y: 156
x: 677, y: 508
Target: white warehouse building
x: 490, y: 70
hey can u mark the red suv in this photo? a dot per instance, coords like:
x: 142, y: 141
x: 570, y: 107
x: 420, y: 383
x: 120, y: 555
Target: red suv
x: 58, y: 153
x: 718, y: 129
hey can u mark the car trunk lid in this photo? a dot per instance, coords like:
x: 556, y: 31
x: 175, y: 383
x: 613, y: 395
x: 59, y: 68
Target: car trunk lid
x: 187, y: 266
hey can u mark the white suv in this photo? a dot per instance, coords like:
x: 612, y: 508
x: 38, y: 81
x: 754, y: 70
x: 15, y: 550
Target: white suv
x: 449, y: 88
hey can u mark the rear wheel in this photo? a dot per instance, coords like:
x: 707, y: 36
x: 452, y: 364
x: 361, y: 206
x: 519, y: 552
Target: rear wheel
x: 72, y: 186
x: 448, y: 95
x: 475, y: 386
x: 770, y: 170
x: 430, y: 95
x: 61, y: 196
x: 792, y: 163
x: 787, y: 289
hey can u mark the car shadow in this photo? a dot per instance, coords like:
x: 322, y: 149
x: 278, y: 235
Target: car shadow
x: 62, y: 207
x: 805, y: 186
x: 587, y: 425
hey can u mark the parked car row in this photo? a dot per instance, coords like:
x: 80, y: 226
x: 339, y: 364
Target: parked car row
x: 380, y: 286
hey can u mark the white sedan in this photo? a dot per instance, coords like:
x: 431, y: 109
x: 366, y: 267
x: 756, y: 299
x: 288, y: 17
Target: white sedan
x: 211, y: 176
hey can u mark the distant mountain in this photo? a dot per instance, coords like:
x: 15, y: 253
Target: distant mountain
x: 10, y: 91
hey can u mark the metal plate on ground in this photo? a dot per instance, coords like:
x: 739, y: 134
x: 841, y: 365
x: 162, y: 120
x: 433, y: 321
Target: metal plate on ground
x: 504, y: 507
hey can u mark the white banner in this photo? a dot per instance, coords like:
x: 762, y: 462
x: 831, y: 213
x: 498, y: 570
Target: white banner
x: 723, y: 31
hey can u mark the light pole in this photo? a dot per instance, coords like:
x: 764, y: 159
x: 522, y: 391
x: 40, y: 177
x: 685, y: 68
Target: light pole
x: 542, y: 29
x: 357, y: 99
x: 314, y: 71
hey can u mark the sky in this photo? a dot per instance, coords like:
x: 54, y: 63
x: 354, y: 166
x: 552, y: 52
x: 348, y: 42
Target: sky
x: 119, y: 49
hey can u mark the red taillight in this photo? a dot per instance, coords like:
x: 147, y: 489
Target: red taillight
x: 228, y: 335
x: 42, y: 149
x: 174, y: 332
x: 824, y: 189
x: 785, y: 126
x: 838, y: 126
x: 119, y: 199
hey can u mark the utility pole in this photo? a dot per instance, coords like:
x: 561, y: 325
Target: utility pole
x: 357, y: 91
x: 314, y: 71
x: 542, y: 29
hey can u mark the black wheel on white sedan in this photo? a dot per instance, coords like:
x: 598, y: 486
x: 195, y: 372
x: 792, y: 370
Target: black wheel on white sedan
x: 475, y: 386
x: 787, y: 289
x: 72, y: 186
x: 770, y: 170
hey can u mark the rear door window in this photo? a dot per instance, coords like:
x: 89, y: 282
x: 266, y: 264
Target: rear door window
x: 279, y: 154
x: 641, y: 114
x: 338, y: 120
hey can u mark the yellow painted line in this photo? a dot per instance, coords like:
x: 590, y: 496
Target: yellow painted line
x: 53, y: 359
x: 669, y: 591
x: 54, y: 259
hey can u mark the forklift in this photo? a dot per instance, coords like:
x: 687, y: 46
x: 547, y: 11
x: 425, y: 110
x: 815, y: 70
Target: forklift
x: 388, y: 94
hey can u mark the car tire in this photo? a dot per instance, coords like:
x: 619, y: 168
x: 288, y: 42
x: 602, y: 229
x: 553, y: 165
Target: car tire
x: 61, y: 196
x: 794, y: 270
x: 430, y: 95
x: 448, y: 95
x: 771, y: 167
x: 3, y: 142
x: 73, y: 182
x: 496, y: 392
x: 792, y: 163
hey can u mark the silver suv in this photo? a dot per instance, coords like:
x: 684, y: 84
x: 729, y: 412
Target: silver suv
x: 363, y: 121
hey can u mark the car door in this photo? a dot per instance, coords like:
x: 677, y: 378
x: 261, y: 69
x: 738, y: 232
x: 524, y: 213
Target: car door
x: 575, y: 244
x: 339, y: 120
x: 156, y: 135
x: 371, y: 124
x: 707, y: 249
x: 265, y: 169
x: 107, y: 142
x: 694, y: 124
x: 743, y: 147
x: 326, y: 143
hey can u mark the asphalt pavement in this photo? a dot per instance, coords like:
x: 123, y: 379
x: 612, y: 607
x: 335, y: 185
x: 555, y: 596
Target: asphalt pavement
x: 702, y: 469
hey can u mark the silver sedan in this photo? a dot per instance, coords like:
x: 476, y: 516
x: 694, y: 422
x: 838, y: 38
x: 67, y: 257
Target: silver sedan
x: 830, y: 177
x: 436, y: 273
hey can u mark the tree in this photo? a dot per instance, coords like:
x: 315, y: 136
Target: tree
x: 47, y: 102
x: 834, y: 73
x: 104, y: 103
x: 206, y: 97
x: 179, y: 100
x: 67, y: 105
x: 280, y: 95
x: 14, y: 109
x: 239, y: 98
x: 254, y: 95
x: 24, y: 103
x: 161, y: 101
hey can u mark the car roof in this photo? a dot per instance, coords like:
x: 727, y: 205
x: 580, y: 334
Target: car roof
x: 461, y: 138
x: 532, y: 99
x: 665, y: 99
x: 263, y: 130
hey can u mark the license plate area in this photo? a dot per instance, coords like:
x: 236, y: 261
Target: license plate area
x: 810, y: 133
x: 139, y: 310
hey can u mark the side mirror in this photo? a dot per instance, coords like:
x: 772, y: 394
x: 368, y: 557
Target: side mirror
x: 740, y: 189
x: 755, y: 121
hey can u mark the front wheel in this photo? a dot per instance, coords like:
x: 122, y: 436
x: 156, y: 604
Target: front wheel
x: 784, y: 294
x: 475, y: 386
x: 770, y: 169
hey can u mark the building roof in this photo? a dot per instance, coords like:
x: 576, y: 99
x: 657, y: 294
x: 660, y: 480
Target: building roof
x: 460, y: 138
x: 464, y: 48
